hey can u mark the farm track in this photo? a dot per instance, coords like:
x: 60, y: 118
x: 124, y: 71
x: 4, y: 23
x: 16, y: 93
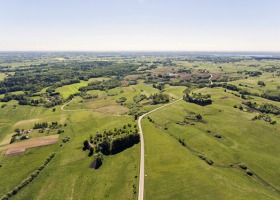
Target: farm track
x: 62, y: 107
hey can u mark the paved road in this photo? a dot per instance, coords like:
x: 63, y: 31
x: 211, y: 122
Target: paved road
x: 142, y: 157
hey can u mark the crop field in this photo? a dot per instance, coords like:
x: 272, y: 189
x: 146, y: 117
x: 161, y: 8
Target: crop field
x: 20, y: 147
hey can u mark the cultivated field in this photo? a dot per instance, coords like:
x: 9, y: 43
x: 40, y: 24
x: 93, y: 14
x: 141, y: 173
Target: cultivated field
x: 20, y: 147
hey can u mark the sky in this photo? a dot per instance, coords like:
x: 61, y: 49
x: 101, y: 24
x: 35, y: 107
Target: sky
x: 139, y: 25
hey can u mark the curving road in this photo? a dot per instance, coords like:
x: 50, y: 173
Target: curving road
x: 210, y: 79
x: 142, y: 157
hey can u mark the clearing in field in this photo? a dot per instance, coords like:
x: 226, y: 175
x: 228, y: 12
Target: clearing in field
x: 59, y: 59
x: 20, y: 147
x: 2, y: 76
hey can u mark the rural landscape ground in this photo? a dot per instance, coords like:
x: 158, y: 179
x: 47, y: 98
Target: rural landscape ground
x: 139, y: 126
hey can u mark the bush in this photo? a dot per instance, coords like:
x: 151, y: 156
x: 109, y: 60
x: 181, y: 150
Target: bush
x: 4, y: 105
x: 261, y: 83
x: 96, y: 164
x: 244, y: 167
x: 218, y: 136
x: 201, y: 156
x: 60, y: 131
x: 209, y: 162
x: 249, y: 173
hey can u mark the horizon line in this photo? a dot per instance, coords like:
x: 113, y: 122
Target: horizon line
x: 152, y: 51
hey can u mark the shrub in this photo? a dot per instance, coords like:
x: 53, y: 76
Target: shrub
x: 218, y: 136
x: 261, y: 83
x: 249, y: 173
x: 60, y: 131
x: 202, y: 157
x: 209, y: 162
x: 244, y: 167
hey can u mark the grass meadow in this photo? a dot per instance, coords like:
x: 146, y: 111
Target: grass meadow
x: 253, y: 143
x: 173, y: 171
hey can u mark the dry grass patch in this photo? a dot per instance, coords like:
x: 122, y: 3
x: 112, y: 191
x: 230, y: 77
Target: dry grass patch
x: 112, y: 109
x: 26, y: 122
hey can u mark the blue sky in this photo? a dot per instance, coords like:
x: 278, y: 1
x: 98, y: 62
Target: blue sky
x: 153, y: 25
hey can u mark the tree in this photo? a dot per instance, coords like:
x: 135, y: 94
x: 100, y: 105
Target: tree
x: 86, y: 144
x: 105, y: 147
x: 91, y: 151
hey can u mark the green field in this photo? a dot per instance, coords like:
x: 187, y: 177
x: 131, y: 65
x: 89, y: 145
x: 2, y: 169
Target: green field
x: 67, y: 90
x: 69, y: 161
x: 251, y: 143
x: 191, y: 151
x: 2, y: 76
